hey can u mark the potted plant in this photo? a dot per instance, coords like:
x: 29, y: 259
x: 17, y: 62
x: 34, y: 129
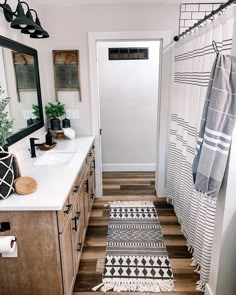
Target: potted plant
x: 54, y: 111
x: 6, y: 159
x: 35, y: 113
x: 5, y: 122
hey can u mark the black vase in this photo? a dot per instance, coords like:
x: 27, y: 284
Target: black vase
x: 66, y: 123
x: 55, y: 124
x: 6, y: 174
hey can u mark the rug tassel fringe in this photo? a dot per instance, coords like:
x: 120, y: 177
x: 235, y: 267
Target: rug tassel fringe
x: 97, y: 287
x: 129, y: 204
x: 200, y: 286
x: 126, y: 285
x: 197, y: 270
x: 193, y: 262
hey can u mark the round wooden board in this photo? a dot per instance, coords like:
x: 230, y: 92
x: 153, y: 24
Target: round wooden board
x: 25, y: 185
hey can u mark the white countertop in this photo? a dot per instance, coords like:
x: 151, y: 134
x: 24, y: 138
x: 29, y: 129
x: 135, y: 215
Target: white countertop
x: 54, y: 182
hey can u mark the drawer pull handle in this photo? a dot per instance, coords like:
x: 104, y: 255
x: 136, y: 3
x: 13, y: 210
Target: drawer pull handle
x: 69, y: 207
x: 79, y: 247
x: 75, y: 223
x: 92, y: 196
x: 86, y: 186
x: 90, y: 154
x: 78, y: 215
x: 76, y: 189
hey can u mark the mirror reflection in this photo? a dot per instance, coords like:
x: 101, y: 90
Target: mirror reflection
x: 18, y: 80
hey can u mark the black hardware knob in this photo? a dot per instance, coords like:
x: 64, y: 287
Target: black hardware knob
x: 79, y: 247
x: 69, y: 207
x: 76, y: 189
x: 86, y: 188
x: 75, y: 223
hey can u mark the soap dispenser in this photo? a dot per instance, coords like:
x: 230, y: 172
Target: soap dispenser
x: 49, y: 138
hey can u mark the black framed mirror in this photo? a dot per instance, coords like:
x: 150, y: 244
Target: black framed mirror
x: 19, y: 78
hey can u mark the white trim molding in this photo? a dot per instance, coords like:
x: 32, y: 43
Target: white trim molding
x: 128, y: 167
x: 93, y: 38
x: 208, y: 290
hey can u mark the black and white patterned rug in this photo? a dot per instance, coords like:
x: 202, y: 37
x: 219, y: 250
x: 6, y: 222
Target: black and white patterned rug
x: 136, y: 255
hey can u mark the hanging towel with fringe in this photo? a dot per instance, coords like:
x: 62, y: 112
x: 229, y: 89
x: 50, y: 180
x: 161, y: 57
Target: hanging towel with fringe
x: 217, y: 124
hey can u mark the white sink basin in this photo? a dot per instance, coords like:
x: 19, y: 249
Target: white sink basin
x: 55, y: 158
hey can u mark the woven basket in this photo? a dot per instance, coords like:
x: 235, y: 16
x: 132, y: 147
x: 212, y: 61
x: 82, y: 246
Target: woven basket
x: 6, y: 174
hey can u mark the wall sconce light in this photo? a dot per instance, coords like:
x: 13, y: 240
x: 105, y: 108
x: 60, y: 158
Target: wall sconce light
x: 24, y: 21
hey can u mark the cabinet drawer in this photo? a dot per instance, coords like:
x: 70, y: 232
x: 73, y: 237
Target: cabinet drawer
x: 67, y: 258
x: 63, y: 215
x: 81, y: 173
x: 91, y: 154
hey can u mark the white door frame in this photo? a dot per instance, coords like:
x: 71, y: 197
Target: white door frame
x: 93, y: 38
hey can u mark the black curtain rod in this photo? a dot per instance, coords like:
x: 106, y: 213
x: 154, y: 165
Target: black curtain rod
x: 214, y: 12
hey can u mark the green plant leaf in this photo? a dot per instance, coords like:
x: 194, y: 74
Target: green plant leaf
x: 54, y: 110
x: 5, y: 123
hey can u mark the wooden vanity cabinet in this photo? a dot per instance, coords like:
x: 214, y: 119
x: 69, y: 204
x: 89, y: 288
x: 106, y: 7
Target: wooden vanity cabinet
x: 78, y: 207
x: 49, y: 243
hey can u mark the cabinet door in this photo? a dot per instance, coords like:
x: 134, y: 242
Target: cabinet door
x: 76, y: 229
x: 86, y: 199
x: 66, y: 240
x: 91, y: 188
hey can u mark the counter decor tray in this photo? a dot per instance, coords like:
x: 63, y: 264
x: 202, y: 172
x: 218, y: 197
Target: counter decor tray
x: 45, y: 147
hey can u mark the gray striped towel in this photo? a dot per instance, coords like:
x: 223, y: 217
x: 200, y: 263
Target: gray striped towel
x: 217, y: 124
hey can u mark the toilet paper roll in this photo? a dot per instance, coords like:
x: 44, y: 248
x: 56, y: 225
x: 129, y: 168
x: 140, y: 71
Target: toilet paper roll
x: 7, y: 244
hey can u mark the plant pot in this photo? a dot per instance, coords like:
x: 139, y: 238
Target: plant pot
x: 55, y: 124
x: 35, y: 120
x: 30, y: 122
x: 6, y: 174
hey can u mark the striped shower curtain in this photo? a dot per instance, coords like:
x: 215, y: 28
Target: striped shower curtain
x: 193, y: 60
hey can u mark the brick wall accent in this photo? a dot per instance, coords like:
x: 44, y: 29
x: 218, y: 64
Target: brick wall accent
x: 190, y: 13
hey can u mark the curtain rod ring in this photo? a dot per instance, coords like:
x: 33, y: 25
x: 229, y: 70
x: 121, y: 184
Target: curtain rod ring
x: 215, y: 47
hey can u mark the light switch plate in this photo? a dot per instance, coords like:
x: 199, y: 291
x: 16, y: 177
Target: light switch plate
x: 72, y: 114
x: 27, y: 114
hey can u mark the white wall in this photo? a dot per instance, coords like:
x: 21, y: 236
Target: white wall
x: 69, y: 26
x: 128, y: 98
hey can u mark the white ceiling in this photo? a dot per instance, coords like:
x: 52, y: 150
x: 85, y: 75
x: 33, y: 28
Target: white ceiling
x: 112, y: 2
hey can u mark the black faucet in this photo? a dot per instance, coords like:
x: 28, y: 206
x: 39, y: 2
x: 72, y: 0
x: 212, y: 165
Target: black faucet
x: 32, y: 146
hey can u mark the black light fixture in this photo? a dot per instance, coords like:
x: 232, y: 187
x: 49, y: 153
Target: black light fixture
x: 8, y: 13
x: 24, y: 21
x: 36, y: 26
x: 41, y: 33
x: 21, y: 21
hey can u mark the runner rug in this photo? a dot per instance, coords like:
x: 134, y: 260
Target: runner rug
x: 136, y: 255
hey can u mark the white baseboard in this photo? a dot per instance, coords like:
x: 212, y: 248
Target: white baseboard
x: 208, y: 290
x: 128, y: 167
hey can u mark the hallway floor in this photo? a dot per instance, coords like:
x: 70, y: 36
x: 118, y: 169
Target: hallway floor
x: 132, y: 186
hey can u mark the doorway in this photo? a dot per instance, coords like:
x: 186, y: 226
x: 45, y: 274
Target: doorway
x: 162, y: 125
x: 128, y: 77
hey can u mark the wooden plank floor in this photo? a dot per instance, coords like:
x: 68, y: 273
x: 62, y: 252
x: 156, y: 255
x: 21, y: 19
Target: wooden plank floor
x: 132, y: 186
